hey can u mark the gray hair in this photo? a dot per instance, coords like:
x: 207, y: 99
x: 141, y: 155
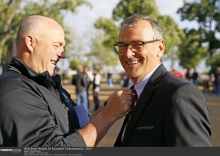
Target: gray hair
x: 132, y: 20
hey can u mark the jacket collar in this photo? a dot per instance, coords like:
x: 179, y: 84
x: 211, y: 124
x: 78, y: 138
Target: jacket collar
x: 20, y: 67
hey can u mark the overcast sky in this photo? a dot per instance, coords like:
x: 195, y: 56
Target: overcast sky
x: 83, y: 20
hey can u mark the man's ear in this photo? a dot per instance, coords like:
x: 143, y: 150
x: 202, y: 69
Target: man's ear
x: 161, y: 48
x: 30, y: 42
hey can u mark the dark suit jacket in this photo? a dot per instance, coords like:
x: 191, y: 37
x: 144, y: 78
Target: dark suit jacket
x: 170, y: 112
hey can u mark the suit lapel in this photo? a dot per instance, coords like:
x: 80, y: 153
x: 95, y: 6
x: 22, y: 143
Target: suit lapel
x: 140, y: 106
x: 119, y: 137
x: 142, y: 102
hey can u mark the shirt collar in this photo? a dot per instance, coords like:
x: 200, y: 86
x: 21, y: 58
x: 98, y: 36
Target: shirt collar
x: 140, y: 86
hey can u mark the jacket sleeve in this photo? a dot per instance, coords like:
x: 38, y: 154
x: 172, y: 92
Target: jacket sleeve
x: 187, y: 119
x: 27, y: 121
x: 74, y: 80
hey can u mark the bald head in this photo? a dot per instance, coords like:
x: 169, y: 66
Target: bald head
x: 34, y: 25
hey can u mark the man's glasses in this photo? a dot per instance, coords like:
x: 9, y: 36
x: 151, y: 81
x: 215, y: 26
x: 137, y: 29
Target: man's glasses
x: 135, y: 47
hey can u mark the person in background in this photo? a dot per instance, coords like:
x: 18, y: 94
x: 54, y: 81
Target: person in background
x: 195, y: 76
x: 205, y: 79
x: 96, y: 88
x: 89, y: 79
x: 124, y: 80
x: 109, y: 79
x: 216, y: 81
x: 80, y: 83
x: 177, y: 73
x: 188, y: 74
x: 167, y: 111
x: 35, y: 110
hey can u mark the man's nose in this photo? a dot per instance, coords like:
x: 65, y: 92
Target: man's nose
x: 62, y: 54
x: 129, y: 51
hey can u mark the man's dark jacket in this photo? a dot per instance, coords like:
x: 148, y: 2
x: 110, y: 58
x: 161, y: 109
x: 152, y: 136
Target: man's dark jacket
x: 33, y: 112
x: 170, y: 112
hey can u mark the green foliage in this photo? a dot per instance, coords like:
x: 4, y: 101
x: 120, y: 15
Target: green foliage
x: 172, y: 33
x: 92, y: 53
x: 74, y: 64
x: 111, y: 31
x: 126, y: 8
x: 4, y: 52
x: 191, y: 50
x: 214, y: 62
x: 100, y: 54
x: 207, y: 14
x: 74, y: 46
x: 13, y: 11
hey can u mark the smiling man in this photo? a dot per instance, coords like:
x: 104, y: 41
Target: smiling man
x: 43, y: 50
x: 35, y: 111
x: 169, y: 111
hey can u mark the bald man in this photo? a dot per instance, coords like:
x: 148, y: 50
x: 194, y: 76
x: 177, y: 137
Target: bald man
x: 35, y: 111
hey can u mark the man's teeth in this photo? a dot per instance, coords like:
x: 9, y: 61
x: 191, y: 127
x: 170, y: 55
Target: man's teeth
x: 134, y: 62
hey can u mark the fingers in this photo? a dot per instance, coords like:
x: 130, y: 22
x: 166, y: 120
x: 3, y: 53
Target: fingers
x: 119, y: 103
x: 124, y: 94
x: 126, y: 99
x: 126, y: 90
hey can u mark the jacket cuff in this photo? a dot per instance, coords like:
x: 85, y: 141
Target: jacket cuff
x: 76, y: 140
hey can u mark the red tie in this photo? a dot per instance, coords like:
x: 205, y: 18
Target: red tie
x: 134, y: 99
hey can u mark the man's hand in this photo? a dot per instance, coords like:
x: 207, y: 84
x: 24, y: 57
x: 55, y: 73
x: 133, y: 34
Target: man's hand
x: 119, y: 103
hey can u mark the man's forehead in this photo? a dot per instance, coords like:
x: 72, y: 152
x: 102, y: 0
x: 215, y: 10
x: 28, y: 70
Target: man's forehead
x: 136, y: 34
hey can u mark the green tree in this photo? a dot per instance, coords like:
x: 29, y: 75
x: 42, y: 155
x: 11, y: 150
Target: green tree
x: 110, y: 29
x: 206, y: 13
x: 75, y: 49
x: 100, y: 54
x: 74, y: 63
x: 172, y: 34
x: 13, y: 11
x: 214, y: 62
x: 191, y: 52
x: 125, y: 8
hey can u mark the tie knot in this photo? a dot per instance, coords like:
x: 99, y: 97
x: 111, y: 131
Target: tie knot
x: 134, y: 94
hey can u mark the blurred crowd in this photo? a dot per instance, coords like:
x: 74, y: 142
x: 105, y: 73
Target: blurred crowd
x: 82, y: 81
x: 84, y: 78
x: 204, y: 81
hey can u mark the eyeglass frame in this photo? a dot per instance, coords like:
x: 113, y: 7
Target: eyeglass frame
x: 127, y: 45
